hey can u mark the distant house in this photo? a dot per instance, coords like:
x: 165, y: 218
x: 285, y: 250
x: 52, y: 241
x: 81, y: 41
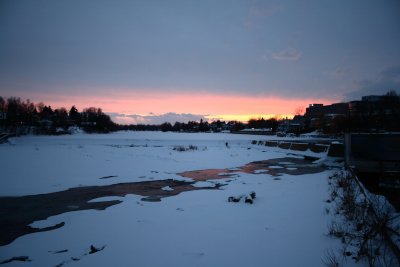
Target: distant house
x: 295, y: 125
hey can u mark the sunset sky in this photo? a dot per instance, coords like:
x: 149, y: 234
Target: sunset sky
x: 152, y: 61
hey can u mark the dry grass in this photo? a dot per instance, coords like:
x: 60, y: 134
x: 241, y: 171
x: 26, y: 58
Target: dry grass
x: 330, y: 259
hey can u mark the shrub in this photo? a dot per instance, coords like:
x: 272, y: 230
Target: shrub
x: 183, y: 148
x: 368, y: 225
x: 330, y: 259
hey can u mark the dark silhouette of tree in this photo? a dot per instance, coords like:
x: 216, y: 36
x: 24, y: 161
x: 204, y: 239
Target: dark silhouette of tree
x: 14, y: 111
x: 263, y: 124
x: 392, y: 93
x: 44, y: 112
x: 299, y: 111
x: 94, y: 120
x: 20, y: 116
x: 178, y: 126
x: 3, y: 112
x: 236, y: 126
x: 75, y: 116
x: 60, y: 118
x: 2, y: 104
x: 166, y: 127
x: 203, y: 126
x: 28, y: 113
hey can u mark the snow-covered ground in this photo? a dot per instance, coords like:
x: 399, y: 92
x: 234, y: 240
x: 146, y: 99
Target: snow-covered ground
x: 286, y: 225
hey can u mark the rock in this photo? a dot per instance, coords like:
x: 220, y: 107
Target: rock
x: 151, y: 199
x: 60, y: 251
x: 234, y: 199
x: 20, y: 258
x: 249, y: 200
x: 93, y: 249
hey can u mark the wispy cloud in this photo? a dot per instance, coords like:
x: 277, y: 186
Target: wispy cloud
x: 289, y: 54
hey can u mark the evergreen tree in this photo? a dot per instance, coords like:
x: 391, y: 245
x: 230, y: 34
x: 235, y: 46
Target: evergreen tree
x: 166, y: 127
x: 75, y: 116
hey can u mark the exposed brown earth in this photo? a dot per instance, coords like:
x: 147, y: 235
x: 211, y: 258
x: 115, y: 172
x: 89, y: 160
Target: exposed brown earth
x: 16, y: 213
x: 288, y: 165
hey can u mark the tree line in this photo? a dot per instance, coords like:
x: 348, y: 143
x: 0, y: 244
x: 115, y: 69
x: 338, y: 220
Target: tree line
x: 23, y: 117
x: 190, y: 126
x: 27, y: 117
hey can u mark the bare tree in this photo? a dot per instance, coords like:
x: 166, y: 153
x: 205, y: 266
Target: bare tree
x: 299, y: 111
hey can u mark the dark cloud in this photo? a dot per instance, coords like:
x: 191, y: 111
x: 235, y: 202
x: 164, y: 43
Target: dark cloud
x: 392, y: 73
x: 337, y: 73
x: 388, y: 80
x: 79, y: 47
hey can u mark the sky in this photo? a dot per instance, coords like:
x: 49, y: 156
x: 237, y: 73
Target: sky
x: 151, y: 61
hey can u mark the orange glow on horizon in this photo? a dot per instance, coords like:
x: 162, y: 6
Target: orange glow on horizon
x: 246, y: 117
x: 211, y: 106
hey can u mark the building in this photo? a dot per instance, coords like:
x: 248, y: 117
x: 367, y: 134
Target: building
x: 372, y: 98
x: 295, y: 125
x: 373, y: 113
x: 319, y: 116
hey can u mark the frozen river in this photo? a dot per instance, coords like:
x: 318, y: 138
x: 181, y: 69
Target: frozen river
x: 285, y: 226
